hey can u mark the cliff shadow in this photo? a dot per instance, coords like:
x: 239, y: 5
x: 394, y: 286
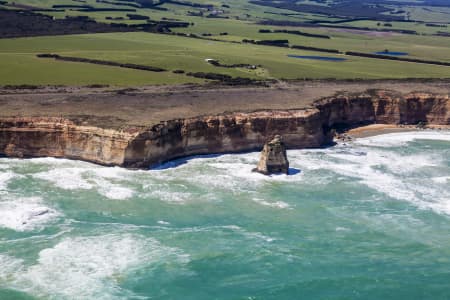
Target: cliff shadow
x: 293, y: 171
x: 175, y: 163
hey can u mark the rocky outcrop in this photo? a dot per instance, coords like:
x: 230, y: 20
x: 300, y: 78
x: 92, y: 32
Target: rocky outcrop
x: 273, y: 158
x: 235, y: 132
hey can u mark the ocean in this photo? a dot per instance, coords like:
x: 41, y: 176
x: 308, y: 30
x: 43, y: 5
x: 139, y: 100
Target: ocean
x: 369, y: 219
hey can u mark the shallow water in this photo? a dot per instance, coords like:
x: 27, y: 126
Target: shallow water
x: 366, y: 220
x: 315, y: 57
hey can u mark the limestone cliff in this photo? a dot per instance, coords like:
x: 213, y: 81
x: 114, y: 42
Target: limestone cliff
x: 234, y: 132
x: 55, y: 137
x: 384, y: 107
x: 226, y: 133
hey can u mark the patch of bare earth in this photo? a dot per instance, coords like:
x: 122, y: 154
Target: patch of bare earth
x: 146, y: 106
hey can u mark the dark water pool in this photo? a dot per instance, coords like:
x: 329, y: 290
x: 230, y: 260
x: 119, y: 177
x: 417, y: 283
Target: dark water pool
x: 393, y: 53
x: 314, y: 57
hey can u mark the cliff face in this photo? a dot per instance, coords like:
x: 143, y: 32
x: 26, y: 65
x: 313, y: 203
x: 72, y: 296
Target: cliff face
x: 39, y: 137
x: 385, y: 108
x: 228, y: 133
x: 237, y: 132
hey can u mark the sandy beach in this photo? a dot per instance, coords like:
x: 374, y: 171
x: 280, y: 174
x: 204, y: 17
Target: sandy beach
x: 378, y: 129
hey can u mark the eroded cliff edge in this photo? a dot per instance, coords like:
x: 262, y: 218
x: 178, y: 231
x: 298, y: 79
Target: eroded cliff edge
x: 232, y: 132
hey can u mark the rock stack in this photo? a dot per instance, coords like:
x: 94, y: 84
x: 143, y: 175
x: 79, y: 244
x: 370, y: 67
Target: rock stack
x: 273, y: 158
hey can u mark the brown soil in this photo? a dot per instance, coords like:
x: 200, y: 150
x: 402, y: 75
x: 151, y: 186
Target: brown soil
x: 145, y: 106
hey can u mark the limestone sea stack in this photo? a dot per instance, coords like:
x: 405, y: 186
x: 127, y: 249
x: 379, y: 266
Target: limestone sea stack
x: 273, y: 158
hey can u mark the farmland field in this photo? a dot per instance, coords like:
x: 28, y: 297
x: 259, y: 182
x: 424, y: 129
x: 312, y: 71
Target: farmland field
x: 19, y: 64
x: 180, y: 35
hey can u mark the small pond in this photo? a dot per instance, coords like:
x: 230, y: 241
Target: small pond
x: 314, y: 57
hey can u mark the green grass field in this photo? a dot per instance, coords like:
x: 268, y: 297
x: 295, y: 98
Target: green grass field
x: 424, y: 47
x: 240, y: 9
x: 19, y: 64
x: 430, y: 14
x: 18, y: 69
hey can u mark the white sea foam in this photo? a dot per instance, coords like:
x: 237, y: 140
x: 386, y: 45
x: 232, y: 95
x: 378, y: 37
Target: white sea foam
x: 57, y: 161
x: 394, y: 162
x: 106, y: 178
x: 111, y: 173
x: 78, y: 178
x: 92, y: 267
x: 231, y: 174
x: 116, y: 192
x: 8, y: 267
x: 276, y: 204
x: 381, y: 181
x: 226, y: 228
x: 66, y: 178
x: 405, y: 226
x: 259, y: 236
x: 3, y: 166
x: 240, y: 172
x: 441, y: 179
x: 342, y: 229
x: 172, y: 197
x: 378, y: 168
x: 397, y: 175
x: 23, y: 214
x: 373, y: 178
x: 111, y: 190
x: 402, y: 138
x: 244, y: 171
x: 249, y: 234
x: 5, y: 178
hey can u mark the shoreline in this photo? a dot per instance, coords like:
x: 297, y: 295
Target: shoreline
x: 366, y: 131
x: 198, y: 130
x: 350, y: 135
x: 380, y: 129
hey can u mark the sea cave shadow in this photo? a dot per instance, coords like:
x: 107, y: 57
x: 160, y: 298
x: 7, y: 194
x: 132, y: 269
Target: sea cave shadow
x: 172, y: 164
x: 175, y: 163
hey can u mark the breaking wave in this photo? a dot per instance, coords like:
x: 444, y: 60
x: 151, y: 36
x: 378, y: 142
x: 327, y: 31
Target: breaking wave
x: 88, y: 267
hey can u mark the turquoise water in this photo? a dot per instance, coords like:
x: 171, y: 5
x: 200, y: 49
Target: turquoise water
x: 366, y: 220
